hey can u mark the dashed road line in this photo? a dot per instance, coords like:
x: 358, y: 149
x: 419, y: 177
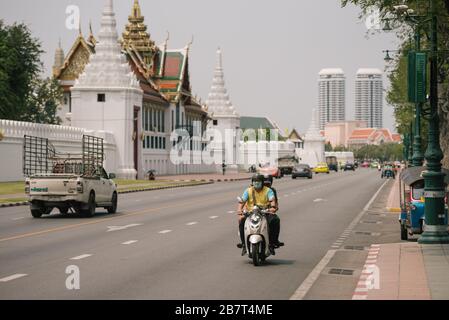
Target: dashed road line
x: 165, y: 231
x: 191, y: 223
x: 83, y: 256
x: 213, y: 217
x: 13, y: 277
x: 129, y: 242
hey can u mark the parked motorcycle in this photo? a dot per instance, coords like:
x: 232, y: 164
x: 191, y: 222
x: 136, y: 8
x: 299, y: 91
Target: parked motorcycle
x: 257, y: 236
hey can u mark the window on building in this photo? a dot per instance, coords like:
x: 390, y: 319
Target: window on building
x: 101, y: 97
x: 215, y: 122
x: 152, y: 142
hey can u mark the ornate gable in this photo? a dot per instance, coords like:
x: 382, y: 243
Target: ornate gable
x: 76, y: 60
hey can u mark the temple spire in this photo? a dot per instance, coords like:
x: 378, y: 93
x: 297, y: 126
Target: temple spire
x: 108, y: 67
x: 218, y: 101
x: 59, y: 58
x: 135, y: 37
x: 314, y: 130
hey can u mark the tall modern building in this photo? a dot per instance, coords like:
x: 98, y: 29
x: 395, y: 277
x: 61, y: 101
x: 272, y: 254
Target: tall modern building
x: 369, y: 97
x: 331, y: 96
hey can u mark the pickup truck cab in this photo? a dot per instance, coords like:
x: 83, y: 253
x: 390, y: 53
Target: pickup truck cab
x: 65, y: 191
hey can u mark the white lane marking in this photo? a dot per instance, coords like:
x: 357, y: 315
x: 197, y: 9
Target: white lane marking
x: 13, y: 277
x: 191, y: 223
x: 318, y: 200
x: 20, y: 218
x: 165, y: 231
x: 301, y: 292
x: 130, y: 242
x: 117, y: 228
x: 138, y: 200
x: 231, y: 211
x: 213, y: 217
x: 83, y: 256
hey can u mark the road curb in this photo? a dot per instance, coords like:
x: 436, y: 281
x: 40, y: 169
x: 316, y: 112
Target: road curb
x: 14, y: 204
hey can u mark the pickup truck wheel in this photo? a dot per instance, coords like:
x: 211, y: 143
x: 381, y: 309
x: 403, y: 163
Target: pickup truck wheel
x: 113, y: 208
x: 90, y: 211
x: 37, y: 213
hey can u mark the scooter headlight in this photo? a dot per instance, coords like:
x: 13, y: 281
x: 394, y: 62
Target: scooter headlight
x: 255, y: 218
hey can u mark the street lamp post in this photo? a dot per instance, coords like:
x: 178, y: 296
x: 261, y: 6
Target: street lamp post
x: 410, y: 146
x: 434, y: 191
x: 418, y: 157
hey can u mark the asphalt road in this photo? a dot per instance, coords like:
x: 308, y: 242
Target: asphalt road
x: 178, y: 244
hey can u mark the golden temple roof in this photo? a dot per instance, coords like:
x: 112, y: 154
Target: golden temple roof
x: 136, y: 36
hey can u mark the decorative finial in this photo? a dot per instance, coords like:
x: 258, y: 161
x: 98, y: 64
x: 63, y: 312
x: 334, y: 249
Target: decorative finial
x: 166, y: 41
x: 189, y: 44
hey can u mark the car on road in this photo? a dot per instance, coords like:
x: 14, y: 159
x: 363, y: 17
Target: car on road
x: 271, y: 170
x: 365, y: 164
x: 322, y: 167
x: 374, y: 165
x: 349, y: 166
x: 332, y: 163
x: 302, y: 170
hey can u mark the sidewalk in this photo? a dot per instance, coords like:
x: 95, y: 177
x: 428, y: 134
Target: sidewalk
x: 405, y: 270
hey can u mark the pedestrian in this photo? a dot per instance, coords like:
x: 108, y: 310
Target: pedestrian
x: 223, y: 166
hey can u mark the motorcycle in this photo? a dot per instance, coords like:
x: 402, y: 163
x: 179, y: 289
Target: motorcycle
x: 257, y: 236
x: 388, y: 173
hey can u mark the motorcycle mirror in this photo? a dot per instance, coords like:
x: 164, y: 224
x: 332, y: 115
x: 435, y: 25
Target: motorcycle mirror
x: 239, y: 200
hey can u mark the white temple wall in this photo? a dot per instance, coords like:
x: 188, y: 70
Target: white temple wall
x: 64, y: 139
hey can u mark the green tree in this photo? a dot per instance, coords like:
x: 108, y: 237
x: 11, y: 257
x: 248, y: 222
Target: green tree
x: 43, y: 101
x: 397, y: 95
x: 328, y: 147
x: 20, y: 65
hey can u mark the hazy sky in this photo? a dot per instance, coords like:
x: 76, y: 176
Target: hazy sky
x: 272, y: 50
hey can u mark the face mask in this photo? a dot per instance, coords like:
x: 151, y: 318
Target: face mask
x: 258, y: 185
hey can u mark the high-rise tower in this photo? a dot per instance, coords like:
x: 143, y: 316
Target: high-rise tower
x: 369, y: 97
x: 331, y: 96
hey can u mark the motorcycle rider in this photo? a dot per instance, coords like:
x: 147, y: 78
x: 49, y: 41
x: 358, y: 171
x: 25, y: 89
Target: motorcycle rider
x: 263, y: 197
x: 275, y: 225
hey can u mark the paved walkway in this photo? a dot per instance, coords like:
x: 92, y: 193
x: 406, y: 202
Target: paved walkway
x: 405, y: 270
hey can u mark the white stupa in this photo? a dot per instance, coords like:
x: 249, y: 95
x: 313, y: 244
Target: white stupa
x: 314, y: 142
x: 107, y: 96
x: 226, y: 120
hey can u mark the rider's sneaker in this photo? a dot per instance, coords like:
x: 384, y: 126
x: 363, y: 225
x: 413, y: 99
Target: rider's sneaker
x: 240, y: 245
x: 271, y: 248
x: 278, y: 244
x: 243, y: 250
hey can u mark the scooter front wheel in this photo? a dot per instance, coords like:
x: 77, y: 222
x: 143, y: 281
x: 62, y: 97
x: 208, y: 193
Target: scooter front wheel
x: 255, y: 254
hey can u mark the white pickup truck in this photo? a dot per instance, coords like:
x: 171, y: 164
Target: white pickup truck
x: 64, y: 191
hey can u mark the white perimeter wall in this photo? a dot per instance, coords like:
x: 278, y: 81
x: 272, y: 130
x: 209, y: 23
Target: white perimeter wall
x: 64, y: 139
